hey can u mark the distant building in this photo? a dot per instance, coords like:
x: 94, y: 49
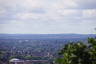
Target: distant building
x: 18, y: 61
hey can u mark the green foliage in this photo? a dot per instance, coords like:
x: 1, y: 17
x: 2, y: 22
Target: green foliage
x: 28, y: 57
x: 78, y: 53
x: 0, y: 55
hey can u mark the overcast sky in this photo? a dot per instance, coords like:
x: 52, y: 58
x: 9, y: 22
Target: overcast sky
x: 47, y: 16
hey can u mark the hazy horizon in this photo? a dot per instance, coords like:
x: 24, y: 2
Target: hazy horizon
x: 49, y: 34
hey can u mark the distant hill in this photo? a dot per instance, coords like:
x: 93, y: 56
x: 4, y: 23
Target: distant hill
x: 46, y: 36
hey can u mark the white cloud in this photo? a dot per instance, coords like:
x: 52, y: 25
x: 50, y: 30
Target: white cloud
x: 2, y: 11
x: 47, y: 16
x: 89, y: 13
x: 61, y: 4
x: 70, y: 12
x: 50, y: 15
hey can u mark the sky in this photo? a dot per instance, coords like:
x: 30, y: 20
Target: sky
x: 47, y: 16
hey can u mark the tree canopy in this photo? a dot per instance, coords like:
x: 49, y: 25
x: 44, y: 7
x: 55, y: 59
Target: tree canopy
x: 78, y: 53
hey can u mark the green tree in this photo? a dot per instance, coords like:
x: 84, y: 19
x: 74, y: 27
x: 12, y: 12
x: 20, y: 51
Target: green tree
x: 28, y: 57
x: 92, y: 49
x: 78, y: 53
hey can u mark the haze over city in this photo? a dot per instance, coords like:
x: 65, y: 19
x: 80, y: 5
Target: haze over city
x: 47, y: 31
